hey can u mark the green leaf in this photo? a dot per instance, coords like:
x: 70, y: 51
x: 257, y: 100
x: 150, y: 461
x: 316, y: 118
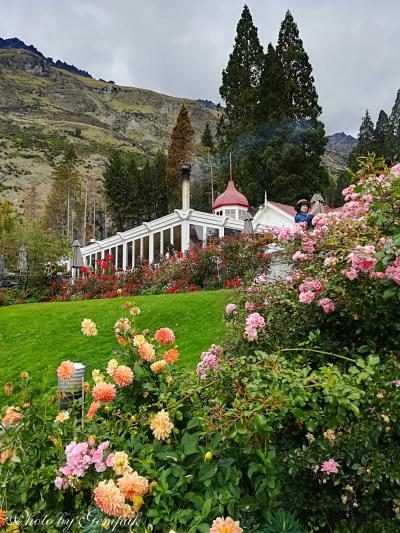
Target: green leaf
x: 189, y: 443
x: 207, y: 472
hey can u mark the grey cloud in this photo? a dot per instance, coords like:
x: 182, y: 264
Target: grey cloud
x: 180, y: 47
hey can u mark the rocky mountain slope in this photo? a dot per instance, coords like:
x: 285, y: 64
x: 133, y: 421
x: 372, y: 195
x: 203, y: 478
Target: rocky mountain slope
x: 337, y: 151
x: 43, y: 108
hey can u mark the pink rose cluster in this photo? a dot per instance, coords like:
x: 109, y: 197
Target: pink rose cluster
x: 230, y: 308
x: 289, y: 233
x: 327, y: 305
x: 209, y: 362
x: 309, y: 290
x: 79, y: 457
x: 254, y: 322
x: 330, y: 467
x: 393, y: 271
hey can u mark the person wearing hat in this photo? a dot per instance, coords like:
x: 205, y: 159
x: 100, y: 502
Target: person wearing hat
x: 303, y: 212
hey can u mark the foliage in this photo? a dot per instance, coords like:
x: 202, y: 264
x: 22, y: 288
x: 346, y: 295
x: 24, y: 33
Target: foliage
x: 277, y: 146
x: 134, y: 194
x: 180, y: 151
x: 211, y: 266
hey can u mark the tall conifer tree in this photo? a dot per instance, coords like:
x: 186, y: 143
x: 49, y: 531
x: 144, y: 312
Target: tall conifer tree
x: 241, y: 78
x: 273, y: 88
x: 180, y: 148
x: 300, y: 89
x: 381, y: 133
x: 366, y: 141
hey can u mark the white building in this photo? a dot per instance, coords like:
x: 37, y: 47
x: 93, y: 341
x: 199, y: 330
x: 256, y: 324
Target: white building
x: 182, y: 228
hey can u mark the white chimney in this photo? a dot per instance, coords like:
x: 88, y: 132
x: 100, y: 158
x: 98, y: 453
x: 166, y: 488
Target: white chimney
x: 185, y: 175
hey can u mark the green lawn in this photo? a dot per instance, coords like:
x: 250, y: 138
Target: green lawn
x: 36, y: 337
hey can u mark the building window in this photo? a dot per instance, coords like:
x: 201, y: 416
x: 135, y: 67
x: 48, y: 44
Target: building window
x: 212, y: 233
x: 167, y: 240
x: 113, y: 252
x: 230, y: 232
x: 156, y: 247
x: 242, y: 214
x: 230, y: 213
x: 137, y: 252
x: 196, y: 234
x: 120, y: 256
x: 146, y: 248
x: 177, y: 238
x: 129, y: 254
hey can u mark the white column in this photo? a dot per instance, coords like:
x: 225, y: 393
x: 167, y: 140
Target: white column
x: 151, y: 248
x: 161, y: 243
x: 124, y: 255
x: 141, y: 247
x: 185, y: 235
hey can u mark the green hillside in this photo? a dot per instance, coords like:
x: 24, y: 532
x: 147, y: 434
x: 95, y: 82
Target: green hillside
x: 37, y: 337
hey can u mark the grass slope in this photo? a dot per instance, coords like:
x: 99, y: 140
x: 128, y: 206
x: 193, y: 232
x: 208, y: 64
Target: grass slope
x: 37, y: 337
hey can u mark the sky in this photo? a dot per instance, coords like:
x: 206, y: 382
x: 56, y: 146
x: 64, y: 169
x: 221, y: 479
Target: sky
x: 180, y: 47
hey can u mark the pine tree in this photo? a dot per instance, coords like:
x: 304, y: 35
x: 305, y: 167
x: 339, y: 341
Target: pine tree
x: 301, y: 93
x: 241, y: 78
x: 381, y: 135
x: 63, y: 204
x: 118, y: 179
x: 180, y: 151
x: 207, y: 140
x: 273, y: 88
x: 366, y: 141
x: 394, y: 129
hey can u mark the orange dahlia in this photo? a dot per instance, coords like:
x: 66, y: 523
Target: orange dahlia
x: 110, y: 499
x: 225, y: 525
x: 3, y: 518
x: 132, y: 485
x: 8, y: 389
x: 165, y: 336
x: 12, y: 416
x: 171, y: 356
x: 123, y: 376
x: 104, y: 392
x: 161, y: 425
x: 146, y: 351
x: 5, y: 454
x: 94, y: 406
x: 66, y: 370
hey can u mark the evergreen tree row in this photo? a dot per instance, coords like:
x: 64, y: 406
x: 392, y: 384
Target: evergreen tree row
x: 271, y: 124
x: 133, y: 194
x: 383, y: 139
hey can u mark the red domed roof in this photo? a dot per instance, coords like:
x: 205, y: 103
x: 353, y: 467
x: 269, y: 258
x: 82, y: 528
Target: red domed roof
x: 231, y: 196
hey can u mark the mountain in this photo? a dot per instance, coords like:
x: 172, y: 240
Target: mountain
x: 337, y: 151
x: 44, y: 107
x: 16, y: 43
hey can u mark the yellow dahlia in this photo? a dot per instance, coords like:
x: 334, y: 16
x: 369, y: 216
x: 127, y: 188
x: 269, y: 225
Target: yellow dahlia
x: 146, y: 351
x: 62, y: 416
x: 88, y: 327
x: 120, y: 463
x: 225, y: 525
x: 171, y: 356
x: 158, y: 367
x: 135, y: 311
x: 97, y: 376
x: 104, y: 392
x: 123, y: 376
x: 24, y: 375
x: 66, y: 370
x: 138, y: 340
x: 133, y: 485
x: 161, y: 425
x: 112, y: 366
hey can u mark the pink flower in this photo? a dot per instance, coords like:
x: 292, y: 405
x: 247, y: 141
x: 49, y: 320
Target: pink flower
x: 255, y: 320
x: 351, y: 274
x: 330, y: 467
x: 225, y: 525
x: 396, y: 170
x: 249, y: 306
x: 396, y: 382
x: 327, y: 305
x: 230, y: 308
x: 330, y: 261
x: 307, y: 297
x: 299, y: 256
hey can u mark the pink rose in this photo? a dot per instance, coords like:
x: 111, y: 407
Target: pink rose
x: 327, y: 305
x: 230, y: 308
x: 330, y: 467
